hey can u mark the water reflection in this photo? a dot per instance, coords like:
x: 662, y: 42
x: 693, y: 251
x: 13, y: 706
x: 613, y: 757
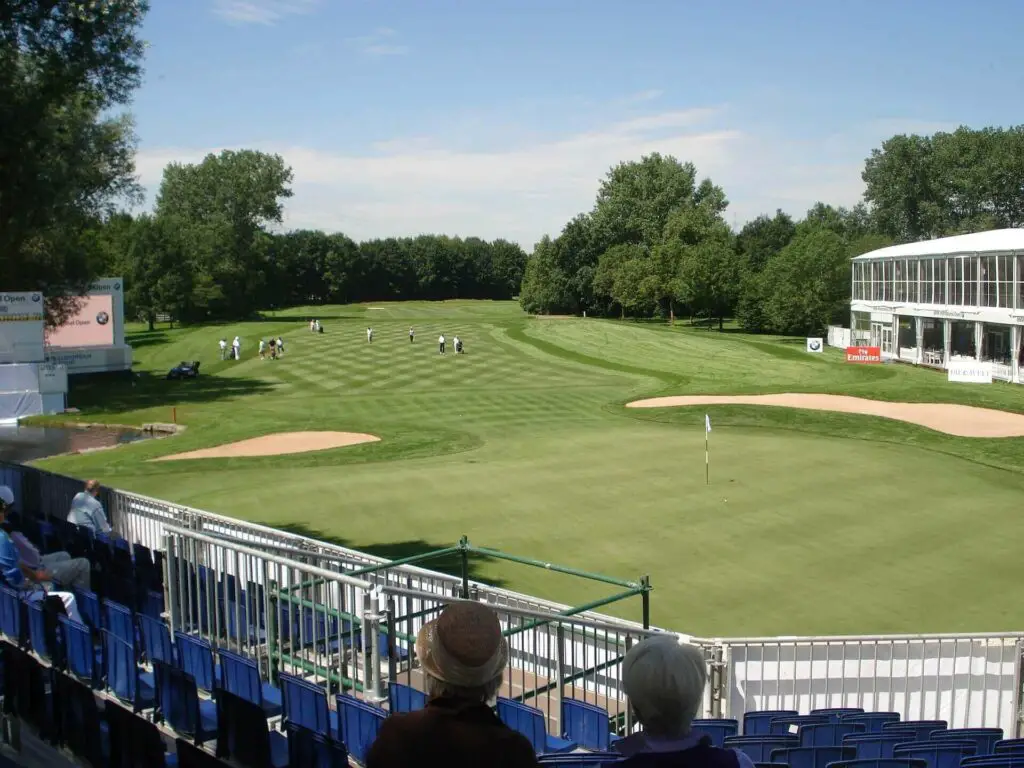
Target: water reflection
x: 21, y: 444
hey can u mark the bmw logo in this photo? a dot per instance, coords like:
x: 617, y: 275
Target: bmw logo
x: 102, y: 318
x: 36, y: 297
x: 815, y: 346
x: 117, y: 286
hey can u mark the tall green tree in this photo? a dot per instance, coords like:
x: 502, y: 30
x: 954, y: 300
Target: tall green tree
x: 66, y: 155
x: 227, y: 200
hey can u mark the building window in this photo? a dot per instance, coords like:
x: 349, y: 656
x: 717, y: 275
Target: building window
x: 956, y: 281
x: 971, y: 297
x: 889, y: 284
x: 987, y: 269
x: 900, y: 268
x: 1020, y: 282
x: 927, y: 280
x: 877, y: 282
x: 939, y: 291
x: 1004, y: 273
x: 913, y: 277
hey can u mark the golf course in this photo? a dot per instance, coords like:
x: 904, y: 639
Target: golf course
x: 803, y: 521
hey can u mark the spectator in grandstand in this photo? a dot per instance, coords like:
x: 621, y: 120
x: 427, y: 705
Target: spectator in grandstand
x: 87, y: 511
x: 223, y: 349
x: 463, y: 657
x: 74, y: 572
x: 664, y: 681
x: 33, y: 584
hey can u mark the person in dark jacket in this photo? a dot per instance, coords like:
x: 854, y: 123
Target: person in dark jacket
x: 463, y: 656
x: 664, y: 680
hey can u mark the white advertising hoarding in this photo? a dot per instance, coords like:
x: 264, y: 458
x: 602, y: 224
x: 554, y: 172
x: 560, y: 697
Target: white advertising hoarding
x: 21, y: 327
x: 969, y: 372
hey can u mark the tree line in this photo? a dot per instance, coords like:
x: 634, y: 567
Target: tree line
x: 655, y: 243
x: 208, y: 251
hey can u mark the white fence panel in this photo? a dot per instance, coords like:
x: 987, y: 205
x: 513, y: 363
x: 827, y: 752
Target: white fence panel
x: 969, y: 681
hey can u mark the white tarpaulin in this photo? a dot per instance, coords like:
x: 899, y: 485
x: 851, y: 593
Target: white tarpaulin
x: 18, y: 405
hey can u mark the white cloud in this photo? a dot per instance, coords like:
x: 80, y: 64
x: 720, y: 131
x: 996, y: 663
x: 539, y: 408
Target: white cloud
x: 526, y: 189
x: 261, y: 11
x: 380, y: 43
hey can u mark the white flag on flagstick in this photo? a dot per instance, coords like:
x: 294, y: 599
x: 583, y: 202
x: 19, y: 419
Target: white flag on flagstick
x: 707, y: 423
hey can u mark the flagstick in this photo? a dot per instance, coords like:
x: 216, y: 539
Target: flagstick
x: 707, y: 460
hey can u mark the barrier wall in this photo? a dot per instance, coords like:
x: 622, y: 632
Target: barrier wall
x: 969, y: 680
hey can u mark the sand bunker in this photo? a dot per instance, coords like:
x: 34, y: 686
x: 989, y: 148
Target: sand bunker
x: 959, y: 420
x: 277, y: 445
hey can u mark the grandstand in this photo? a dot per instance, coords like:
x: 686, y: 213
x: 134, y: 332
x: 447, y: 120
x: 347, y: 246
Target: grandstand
x: 222, y: 639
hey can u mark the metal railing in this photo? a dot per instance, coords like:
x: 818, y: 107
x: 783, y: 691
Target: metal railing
x: 967, y: 679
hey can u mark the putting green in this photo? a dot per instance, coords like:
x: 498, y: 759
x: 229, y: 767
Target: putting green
x: 812, y: 522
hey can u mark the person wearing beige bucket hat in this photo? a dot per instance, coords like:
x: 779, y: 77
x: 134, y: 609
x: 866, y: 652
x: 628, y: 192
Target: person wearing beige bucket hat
x: 462, y: 656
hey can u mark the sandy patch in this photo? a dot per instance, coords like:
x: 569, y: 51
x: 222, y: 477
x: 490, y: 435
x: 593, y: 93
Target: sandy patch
x: 277, y: 445
x: 554, y: 317
x: 959, y: 420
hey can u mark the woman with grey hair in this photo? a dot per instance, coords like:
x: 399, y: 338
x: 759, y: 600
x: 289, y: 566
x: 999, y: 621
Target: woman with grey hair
x: 462, y: 656
x: 664, y: 680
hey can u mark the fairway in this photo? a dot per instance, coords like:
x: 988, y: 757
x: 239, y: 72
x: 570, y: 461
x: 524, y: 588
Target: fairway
x: 813, y: 522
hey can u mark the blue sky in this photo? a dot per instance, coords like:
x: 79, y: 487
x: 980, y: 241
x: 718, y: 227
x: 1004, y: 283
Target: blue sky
x: 497, y: 118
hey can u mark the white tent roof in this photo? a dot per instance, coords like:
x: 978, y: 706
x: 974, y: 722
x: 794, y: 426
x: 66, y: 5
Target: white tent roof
x: 996, y: 240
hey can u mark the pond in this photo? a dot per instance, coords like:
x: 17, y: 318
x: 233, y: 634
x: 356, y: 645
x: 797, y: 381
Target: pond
x: 21, y: 444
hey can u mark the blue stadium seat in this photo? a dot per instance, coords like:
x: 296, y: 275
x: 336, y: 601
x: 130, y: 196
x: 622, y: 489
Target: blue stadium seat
x: 984, y: 738
x: 812, y: 757
x: 1006, y: 745
x: 89, y: 607
x: 586, y: 725
x: 305, y: 704
x: 190, y: 756
x: 759, y: 748
x: 37, y: 636
x: 152, y: 604
x: 880, y: 763
x: 124, y: 679
x: 156, y: 639
x: 244, y: 736
x: 81, y: 728
x: 760, y: 723
x: 877, y: 746
x: 827, y: 734
x: 580, y: 759
x: 718, y: 730
x: 530, y: 722
x: 10, y: 617
x: 836, y: 714
x: 119, y: 620
x: 946, y: 754
x: 311, y: 750
x: 405, y: 698
x: 922, y: 728
x: 793, y: 723
x: 241, y: 676
x: 195, y: 658
x: 873, y: 722
x: 360, y: 722
x: 1000, y: 760
x: 83, y: 659
x: 179, y: 705
x: 132, y: 741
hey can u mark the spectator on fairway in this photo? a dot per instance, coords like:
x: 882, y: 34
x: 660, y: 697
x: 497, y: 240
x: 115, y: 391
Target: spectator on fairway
x: 33, y: 584
x: 412, y: 335
x: 223, y: 349
x: 263, y: 349
x: 463, y: 656
x: 87, y: 511
x: 236, y: 348
x: 440, y: 343
x: 280, y: 347
x: 312, y: 326
x: 664, y: 681
x: 457, y: 344
x: 369, y: 335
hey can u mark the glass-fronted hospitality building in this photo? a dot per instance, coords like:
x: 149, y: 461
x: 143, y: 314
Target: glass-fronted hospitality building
x: 935, y: 301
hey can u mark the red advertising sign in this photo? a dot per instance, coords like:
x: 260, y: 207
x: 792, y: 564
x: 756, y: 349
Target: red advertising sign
x: 863, y: 354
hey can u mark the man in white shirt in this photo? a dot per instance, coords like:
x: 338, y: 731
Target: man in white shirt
x: 87, y: 511
x: 440, y: 343
x: 457, y: 344
x: 412, y: 335
x: 369, y: 335
x: 223, y: 349
x: 236, y: 346
x: 263, y: 349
